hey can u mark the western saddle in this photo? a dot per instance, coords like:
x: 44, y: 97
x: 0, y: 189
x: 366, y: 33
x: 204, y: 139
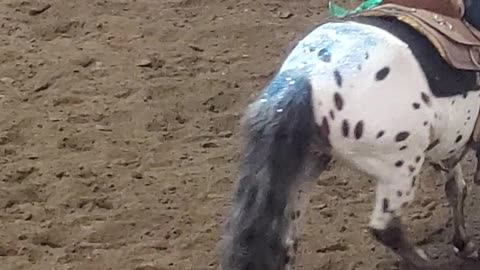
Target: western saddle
x: 443, y: 23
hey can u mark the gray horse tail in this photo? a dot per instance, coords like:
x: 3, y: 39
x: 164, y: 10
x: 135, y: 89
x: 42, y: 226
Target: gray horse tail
x: 279, y: 127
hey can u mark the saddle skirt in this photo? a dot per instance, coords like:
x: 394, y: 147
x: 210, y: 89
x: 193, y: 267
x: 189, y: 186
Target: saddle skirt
x: 442, y: 22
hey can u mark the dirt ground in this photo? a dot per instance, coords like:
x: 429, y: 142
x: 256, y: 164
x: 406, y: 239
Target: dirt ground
x: 119, y: 136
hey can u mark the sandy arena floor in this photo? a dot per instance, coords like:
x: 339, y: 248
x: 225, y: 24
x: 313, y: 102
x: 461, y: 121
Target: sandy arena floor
x: 119, y: 132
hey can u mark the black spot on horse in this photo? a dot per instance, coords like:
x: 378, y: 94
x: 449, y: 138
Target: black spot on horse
x: 332, y: 115
x: 432, y: 145
x: 325, y: 128
x: 338, y: 78
x: 386, y: 205
x: 399, y: 163
x: 458, y: 139
x: 325, y: 55
x: 402, y: 136
x: 367, y: 55
x: 345, y: 128
x: 380, y: 134
x: 425, y: 123
x: 399, y: 193
x: 417, y: 159
x: 338, y: 101
x: 411, y: 168
x: 358, y: 130
x: 414, y: 181
x: 426, y: 99
x: 416, y: 105
x: 465, y: 95
x: 403, y: 148
x: 382, y: 74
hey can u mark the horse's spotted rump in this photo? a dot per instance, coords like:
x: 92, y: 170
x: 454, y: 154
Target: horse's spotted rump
x: 358, y: 130
x: 338, y: 101
x: 345, y: 128
x: 382, y: 74
x: 338, y: 78
x: 402, y: 136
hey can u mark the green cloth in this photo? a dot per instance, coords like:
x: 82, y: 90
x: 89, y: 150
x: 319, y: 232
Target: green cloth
x: 340, y: 12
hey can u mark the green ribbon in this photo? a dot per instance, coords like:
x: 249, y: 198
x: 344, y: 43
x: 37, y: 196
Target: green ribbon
x: 340, y: 12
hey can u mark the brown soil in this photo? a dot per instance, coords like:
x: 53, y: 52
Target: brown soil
x: 119, y: 135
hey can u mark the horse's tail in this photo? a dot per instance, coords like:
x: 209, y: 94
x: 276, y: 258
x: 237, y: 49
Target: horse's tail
x: 279, y: 129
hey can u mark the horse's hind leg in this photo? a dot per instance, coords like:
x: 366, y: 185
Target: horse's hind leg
x: 456, y: 191
x: 476, y: 178
x: 395, y: 190
x: 296, y: 213
x: 297, y: 207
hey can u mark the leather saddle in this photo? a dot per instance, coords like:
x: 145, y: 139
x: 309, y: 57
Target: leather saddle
x: 442, y: 22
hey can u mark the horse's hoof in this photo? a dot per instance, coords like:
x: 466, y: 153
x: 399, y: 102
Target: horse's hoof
x: 420, y: 260
x: 470, y: 252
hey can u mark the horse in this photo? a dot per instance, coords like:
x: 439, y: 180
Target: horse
x: 370, y: 91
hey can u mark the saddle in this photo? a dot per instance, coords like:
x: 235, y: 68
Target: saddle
x: 442, y: 22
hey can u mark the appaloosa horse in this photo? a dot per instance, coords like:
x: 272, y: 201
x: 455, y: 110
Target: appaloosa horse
x: 368, y: 90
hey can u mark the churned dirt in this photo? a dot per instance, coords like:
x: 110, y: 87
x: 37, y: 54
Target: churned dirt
x: 119, y: 136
